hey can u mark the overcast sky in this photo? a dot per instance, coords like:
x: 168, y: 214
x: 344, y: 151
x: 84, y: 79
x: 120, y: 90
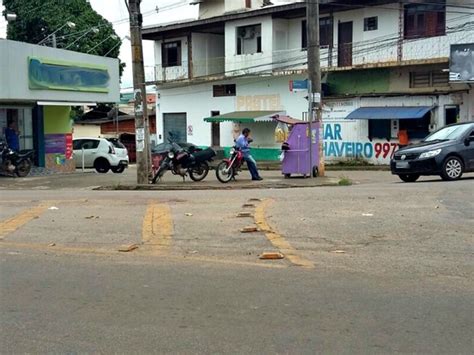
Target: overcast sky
x: 115, y: 10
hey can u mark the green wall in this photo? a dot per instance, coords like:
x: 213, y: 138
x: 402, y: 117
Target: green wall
x: 260, y: 154
x: 359, y: 82
x: 57, y: 119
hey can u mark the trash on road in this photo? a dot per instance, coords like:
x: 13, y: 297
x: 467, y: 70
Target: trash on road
x: 188, y: 214
x: 271, y: 256
x: 53, y: 208
x: 244, y: 214
x: 367, y: 214
x: 51, y: 244
x: 127, y: 248
x: 338, y: 251
x: 249, y: 229
x: 91, y: 217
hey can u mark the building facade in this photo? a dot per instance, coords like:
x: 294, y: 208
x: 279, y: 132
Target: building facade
x: 385, y: 70
x: 38, y: 87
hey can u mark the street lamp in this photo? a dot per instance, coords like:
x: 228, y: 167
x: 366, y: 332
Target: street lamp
x: 69, y: 24
x: 93, y: 29
x: 10, y: 17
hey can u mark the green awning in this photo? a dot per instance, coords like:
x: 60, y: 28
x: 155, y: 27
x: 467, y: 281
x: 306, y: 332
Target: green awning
x: 245, y: 116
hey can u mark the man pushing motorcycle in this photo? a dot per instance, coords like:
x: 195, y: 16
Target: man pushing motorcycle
x: 242, y: 142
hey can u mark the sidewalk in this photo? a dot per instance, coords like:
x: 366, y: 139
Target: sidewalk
x: 271, y: 180
x: 127, y: 181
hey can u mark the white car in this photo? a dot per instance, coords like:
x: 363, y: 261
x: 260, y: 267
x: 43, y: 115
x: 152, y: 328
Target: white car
x: 101, y: 154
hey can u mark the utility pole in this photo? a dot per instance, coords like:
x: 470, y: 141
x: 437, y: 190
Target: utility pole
x: 314, y: 74
x: 139, y: 89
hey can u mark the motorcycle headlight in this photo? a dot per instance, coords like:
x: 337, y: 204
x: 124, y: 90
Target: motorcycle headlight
x: 170, y: 155
x: 430, y: 154
x: 232, y: 151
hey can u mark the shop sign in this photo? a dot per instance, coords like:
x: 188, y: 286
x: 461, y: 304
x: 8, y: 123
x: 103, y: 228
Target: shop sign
x: 337, y: 147
x: 461, y: 68
x: 258, y: 103
x: 69, y: 149
x: 51, y: 74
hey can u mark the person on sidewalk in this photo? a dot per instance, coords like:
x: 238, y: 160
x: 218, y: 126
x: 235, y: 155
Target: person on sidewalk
x: 12, y: 136
x: 242, y: 142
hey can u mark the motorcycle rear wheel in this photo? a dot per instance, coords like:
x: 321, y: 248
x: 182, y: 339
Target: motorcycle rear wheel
x: 23, y: 168
x: 221, y: 174
x: 199, y: 172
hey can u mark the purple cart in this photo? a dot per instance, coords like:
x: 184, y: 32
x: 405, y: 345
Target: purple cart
x: 296, y: 158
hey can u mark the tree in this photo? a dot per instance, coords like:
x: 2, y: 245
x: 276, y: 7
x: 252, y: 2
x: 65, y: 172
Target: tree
x: 37, y: 19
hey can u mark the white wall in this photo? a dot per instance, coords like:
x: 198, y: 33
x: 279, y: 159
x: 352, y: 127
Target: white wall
x: 211, y: 8
x: 236, y: 5
x: 248, y: 63
x: 207, y: 53
x: 80, y: 130
x: 14, y: 74
x: 176, y: 72
x: 343, y: 137
x: 370, y: 46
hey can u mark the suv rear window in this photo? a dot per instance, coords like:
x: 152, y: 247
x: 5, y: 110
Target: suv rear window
x: 116, y: 143
x: 85, y: 143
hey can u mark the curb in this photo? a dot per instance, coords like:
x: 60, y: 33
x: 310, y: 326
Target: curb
x: 230, y: 186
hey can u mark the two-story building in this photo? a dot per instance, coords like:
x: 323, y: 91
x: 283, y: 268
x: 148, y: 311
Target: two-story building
x: 385, y: 68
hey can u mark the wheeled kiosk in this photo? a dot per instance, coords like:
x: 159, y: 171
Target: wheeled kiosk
x: 295, y: 150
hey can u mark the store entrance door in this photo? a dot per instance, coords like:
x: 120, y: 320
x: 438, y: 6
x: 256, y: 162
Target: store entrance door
x: 22, y: 119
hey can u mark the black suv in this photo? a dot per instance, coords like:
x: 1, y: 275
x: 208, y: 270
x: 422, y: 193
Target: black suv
x: 448, y: 152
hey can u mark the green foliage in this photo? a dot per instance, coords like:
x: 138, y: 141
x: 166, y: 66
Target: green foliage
x: 344, y: 181
x: 36, y: 19
x: 76, y: 113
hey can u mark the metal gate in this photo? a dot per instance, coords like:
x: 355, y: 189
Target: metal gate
x: 174, y: 125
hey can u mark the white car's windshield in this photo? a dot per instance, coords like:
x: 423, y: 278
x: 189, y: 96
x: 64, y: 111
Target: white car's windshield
x: 448, y: 133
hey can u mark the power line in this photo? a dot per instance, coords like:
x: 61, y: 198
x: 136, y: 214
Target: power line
x: 445, y: 10
x: 377, y: 46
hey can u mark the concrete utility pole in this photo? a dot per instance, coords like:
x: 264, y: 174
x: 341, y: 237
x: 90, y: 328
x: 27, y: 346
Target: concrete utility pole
x: 139, y: 89
x: 314, y: 74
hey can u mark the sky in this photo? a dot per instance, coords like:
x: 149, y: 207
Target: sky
x: 115, y: 10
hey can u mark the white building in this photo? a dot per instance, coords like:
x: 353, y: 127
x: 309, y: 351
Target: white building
x: 375, y: 56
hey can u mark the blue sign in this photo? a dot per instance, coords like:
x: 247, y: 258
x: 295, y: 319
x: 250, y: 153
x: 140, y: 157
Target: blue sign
x: 296, y: 85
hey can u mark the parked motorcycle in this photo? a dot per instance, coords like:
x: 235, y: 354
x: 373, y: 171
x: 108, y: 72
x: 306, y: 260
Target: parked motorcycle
x: 228, y: 168
x: 192, y: 161
x: 17, y: 163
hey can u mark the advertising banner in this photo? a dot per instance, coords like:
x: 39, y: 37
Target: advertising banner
x: 461, y: 66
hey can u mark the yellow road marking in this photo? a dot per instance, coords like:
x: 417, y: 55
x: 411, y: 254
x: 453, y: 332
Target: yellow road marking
x: 276, y: 239
x: 12, y: 224
x: 157, y: 228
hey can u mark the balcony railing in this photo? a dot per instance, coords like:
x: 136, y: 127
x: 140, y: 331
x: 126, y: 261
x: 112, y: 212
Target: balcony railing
x: 388, y: 50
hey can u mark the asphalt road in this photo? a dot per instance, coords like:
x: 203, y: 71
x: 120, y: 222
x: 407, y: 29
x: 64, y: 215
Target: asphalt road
x: 377, y: 267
